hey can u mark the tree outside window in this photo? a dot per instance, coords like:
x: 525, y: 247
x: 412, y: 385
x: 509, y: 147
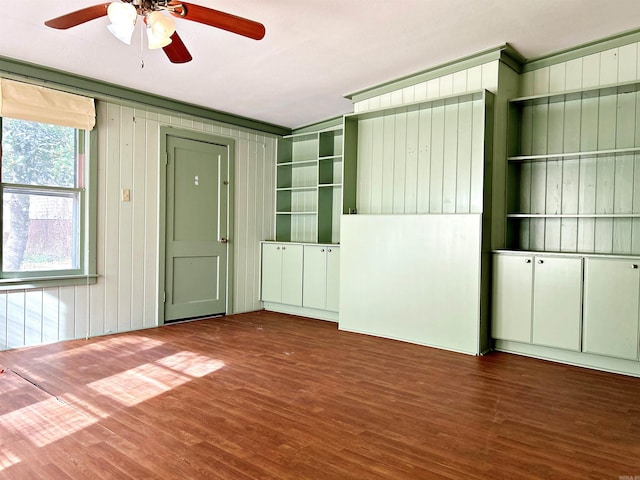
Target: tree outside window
x: 42, y: 193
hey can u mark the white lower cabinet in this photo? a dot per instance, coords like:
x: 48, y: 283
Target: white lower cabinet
x: 557, y: 302
x: 512, y: 297
x: 611, y: 290
x: 282, y: 273
x: 301, y: 279
x: 537, y: 299
x: 321, y: 279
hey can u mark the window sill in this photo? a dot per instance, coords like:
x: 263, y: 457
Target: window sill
x: 25, y: 283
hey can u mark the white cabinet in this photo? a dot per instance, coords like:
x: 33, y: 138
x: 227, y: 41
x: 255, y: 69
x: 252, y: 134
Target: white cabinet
x: 557, y: 302
x: 611, y: 289
x: 282, y: 273
x: 512, y: 297
x: 538, y: 299
x: 321, y: 277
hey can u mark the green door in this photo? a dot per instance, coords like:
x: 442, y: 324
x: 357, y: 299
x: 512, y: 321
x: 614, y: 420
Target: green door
x: 196, y: 229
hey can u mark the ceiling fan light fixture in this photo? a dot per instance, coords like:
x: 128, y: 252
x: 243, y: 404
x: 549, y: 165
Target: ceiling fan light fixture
x: 122, y: 32
x: 123, y: 18
x: 122, y: 13
x: 156, y: 41
x: 161, y: 25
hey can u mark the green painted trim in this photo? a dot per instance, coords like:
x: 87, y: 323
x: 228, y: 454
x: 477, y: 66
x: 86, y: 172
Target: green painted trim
x: 512, y: 58
x: 319, y: 126
x: 585, y: 49
x: 302, y: 311
x: 464, y: 63
x: 580, y: 359
x: 36, y: 283
x: 92, y: 207
x: 108, y: 91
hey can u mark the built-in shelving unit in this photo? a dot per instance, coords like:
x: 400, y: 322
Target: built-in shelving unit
x: 309, y: 187
x: 574, y: 172
x: 566, y: 286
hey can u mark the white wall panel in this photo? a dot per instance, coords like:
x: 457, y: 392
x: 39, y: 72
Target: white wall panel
x: 125, y: 296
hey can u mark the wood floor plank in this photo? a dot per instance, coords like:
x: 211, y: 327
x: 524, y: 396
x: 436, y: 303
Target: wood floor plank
x: 271, y: 396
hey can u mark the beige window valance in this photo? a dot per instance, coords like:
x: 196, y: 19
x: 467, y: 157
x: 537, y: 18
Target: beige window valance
x: 40, y: 104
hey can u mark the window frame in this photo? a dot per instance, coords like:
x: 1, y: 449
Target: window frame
x: 86, y: 273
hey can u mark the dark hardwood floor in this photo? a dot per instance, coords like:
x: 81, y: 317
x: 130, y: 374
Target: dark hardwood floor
x: 269, y: 396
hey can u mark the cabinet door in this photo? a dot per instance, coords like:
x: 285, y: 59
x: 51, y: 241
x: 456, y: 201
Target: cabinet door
x: 271, y: 272
x: 292, y: 274
x: 512, y: 293
x: 557, y: 302
x: 333, y: 278
x: 611, y: 289
x: 314, y: 293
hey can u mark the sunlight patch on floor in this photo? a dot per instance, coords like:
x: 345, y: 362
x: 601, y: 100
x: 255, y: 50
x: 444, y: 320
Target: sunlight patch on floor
x: 7, y: 459
x: 114, y: 346
x: 45, y: 422
x: 146, y: 381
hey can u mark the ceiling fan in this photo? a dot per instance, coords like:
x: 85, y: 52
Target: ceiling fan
x: 160, y: 28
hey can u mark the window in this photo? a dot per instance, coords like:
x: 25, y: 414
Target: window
x: 43, y: 182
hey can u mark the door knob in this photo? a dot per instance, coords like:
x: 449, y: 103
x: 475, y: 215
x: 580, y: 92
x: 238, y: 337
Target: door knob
x: 224, y: 240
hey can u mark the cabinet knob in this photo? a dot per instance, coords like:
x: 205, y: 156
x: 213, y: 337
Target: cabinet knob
x: 277, y: 248
x: 528, y: 260
x: 284, y: 248
x: 329, y: 250
x: 540, y: 262
x: 322, y: 249
x: 634, y: 266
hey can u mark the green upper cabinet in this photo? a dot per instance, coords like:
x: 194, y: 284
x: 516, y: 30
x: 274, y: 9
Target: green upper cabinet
x: 309, y: 186
x: 573, y: 172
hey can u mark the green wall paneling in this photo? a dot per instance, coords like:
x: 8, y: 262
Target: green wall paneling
x: 350, y: 165
x: 425, y: 157
x: 574, y: 165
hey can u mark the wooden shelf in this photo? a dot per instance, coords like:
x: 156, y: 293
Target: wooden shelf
x: 573, y: 215
x: 297, y: 213
x: 298, y: 163
x: 594, y: 92
x: 297, y: 189
x: 563, y: 156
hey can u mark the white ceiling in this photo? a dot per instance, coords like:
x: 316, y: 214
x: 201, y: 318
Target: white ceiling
x: 314, y: 51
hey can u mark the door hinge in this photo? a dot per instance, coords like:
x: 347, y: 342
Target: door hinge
x: 164, y: 297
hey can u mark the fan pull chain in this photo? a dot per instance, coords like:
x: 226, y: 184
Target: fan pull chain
x: 142, y: 47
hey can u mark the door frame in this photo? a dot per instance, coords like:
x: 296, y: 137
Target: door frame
x: 229, y: 143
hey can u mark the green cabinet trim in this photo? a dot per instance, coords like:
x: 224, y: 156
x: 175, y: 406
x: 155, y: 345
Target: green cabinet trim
x: 505, y: 53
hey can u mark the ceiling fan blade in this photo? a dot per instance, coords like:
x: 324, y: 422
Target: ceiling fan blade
x: 218, y: 19
x: 176, y: 50
x: 78, y: 17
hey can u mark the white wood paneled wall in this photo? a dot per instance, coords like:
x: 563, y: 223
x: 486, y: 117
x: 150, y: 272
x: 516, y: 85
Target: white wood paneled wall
x: 480, y: 77
x: 126, y: 294
x: 617, y: 65
x: 603, y: 185
x: 440, y: 144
